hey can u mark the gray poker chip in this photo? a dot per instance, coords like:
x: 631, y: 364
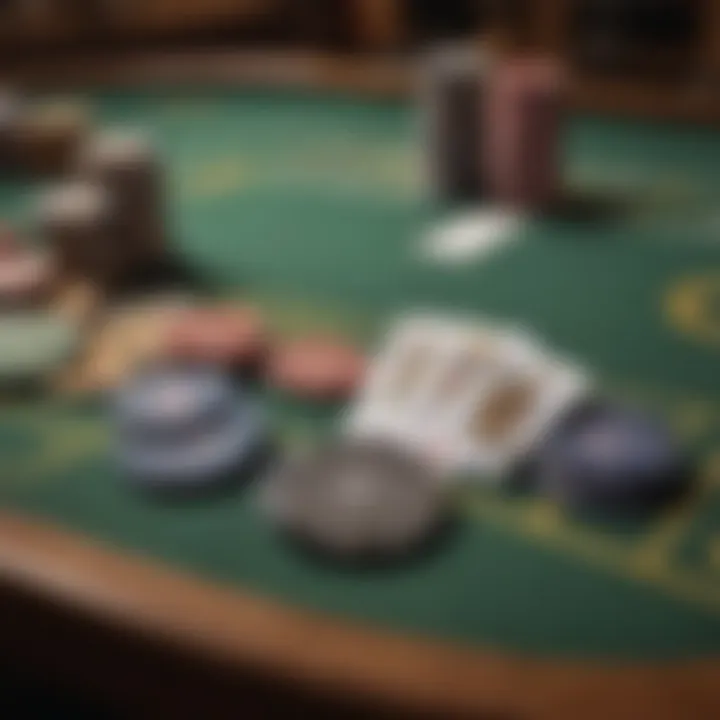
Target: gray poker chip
x: 357, y: 500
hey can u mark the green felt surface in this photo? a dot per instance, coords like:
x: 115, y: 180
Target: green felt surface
x: 313, y: 206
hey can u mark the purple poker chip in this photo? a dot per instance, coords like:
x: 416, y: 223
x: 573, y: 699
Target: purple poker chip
x: 185, y: 428
x: 614, y: 460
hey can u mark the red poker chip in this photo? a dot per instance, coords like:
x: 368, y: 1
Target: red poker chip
x: 323, y: 369
x: 233, y: 337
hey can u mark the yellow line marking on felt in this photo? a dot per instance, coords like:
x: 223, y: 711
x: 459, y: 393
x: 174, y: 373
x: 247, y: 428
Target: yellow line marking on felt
x: 216, y: 178
x: 602, y: 550
x: 714, y: 553
x: 693, y: 418
x: 689, y: 307
x: 62, y: 449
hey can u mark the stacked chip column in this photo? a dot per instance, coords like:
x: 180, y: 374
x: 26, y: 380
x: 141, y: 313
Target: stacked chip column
x: 128, y: 167
x: 451, y: 88
x: 76, y: 220
x: 11, y: 109
x: 524, y: 112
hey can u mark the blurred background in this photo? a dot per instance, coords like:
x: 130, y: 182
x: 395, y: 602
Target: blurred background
x: 640, y: 58
x: 648, y: 56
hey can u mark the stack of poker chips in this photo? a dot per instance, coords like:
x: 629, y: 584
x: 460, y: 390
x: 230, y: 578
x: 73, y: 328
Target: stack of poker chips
x: 27, y: 274
x: 185, y: 429
x: 451, y: 94
x: 523, y: 114
x: 358, y: 501
x: 76, y: 219
x: 47, y: 135
x: 125, y: 163
x: 606, y: 458
x: 11, y: 110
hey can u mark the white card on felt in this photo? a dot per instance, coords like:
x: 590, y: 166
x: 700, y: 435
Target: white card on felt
x: 388, y: 403
x: 504, y: 420
x: 479, y: 357
x: 471, y: 395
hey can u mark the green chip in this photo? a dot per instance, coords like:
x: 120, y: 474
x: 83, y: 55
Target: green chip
x: 33, y: 345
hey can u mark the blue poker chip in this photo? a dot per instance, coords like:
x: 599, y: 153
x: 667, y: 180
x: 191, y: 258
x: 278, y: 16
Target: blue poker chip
x: 612, y: 459
x: 185, y: 428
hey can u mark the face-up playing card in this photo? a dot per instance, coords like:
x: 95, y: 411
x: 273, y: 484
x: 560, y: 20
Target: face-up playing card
x: 502, y: 420
x: 470, y: 395
x: 389, y: 403
x: 477, y: 359
x: 423, y: 373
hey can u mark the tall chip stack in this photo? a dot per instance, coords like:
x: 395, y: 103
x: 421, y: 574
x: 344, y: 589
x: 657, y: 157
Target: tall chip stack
x: 10, y: 113
x: 76, y: 221
x: 125, y: 163
x: 524, y: 112
x: 451, y: 99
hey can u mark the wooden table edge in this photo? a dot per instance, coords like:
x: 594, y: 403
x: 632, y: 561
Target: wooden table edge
x: 249, y: 631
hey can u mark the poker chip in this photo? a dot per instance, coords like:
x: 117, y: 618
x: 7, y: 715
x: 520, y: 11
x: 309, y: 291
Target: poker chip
x: 523, y: 117
x: 75, y: 218
x: 359, y: 501
x: 319, y: 369
x: 182, y: 428
x: 234, y: 338
x: 25, y: 276
x: 125, y: 162
x: 11, y: 110
x: 49, y: 134
x: 33, y: 345
x: 451, y: 98
x: 611, y: 458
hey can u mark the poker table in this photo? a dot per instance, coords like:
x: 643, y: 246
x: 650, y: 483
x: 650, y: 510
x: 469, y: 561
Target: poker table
x: 310, y: 202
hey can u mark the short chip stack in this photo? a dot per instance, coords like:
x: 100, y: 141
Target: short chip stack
x: 126, y: 165
x: 364, y: 502
x: 185, y: 430
x: 26, y: 273
x: 48, y: 135
x: 451, y: 96
x: 610, y: 459
x: 316, y: 368
x: 234, y: 338
x: 26, y: 278
x: 76, y: 219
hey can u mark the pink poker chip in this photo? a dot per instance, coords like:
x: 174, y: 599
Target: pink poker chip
x: 234, y: 337
x: 317, y: 368
x: 25, y: 275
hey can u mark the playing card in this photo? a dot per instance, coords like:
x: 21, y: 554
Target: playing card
x: 502, y: 420
x: 389, y: 403
x: 478, y: 358
x: 470, y: 395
